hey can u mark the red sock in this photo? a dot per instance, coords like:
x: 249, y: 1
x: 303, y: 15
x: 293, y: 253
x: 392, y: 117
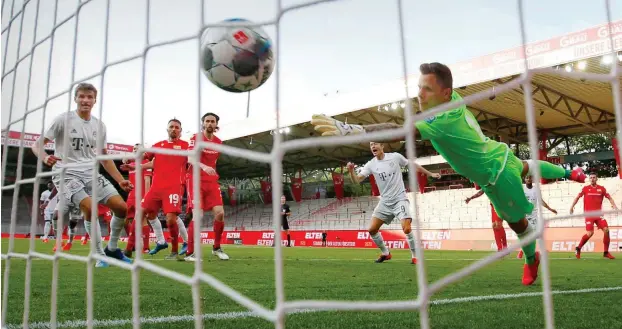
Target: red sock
x: 219, y: 226
x: 146, y: 237
x: 131, y: 238
x: 173, y: 230
x: 583, y: 240
x: 498, y: 238
x: 190, y: 238
x: 606, y: 242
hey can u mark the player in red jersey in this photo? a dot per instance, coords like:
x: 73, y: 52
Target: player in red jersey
x: 497, y: 223
x: 593, y: 201
x: 210, y: 196
x: 130, y: 166
x: 166, y: 189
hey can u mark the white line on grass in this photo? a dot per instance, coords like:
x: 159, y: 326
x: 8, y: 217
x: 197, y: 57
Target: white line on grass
x: 248, y: 314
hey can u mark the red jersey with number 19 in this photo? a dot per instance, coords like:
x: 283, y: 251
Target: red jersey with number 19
x: 593, y: 197
x: 168, y: 169
x: 208, y: 157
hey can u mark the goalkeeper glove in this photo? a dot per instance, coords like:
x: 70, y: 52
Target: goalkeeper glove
x: 331, y: 127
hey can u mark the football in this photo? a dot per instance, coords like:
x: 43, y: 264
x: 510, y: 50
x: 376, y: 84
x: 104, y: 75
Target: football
x: 236, y: 59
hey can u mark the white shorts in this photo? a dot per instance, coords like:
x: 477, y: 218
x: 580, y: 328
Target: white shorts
x: 387, y: 212
x: 47, y: 215
x: 76, y: 189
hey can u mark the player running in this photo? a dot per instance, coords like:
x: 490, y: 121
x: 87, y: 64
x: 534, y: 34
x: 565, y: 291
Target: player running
x: 76, y: 155
x: 210, y: 196
x: 130, y: 166
x: 497, y: 223
x: 457, y: 136
x: 594, y: 195
x: 166, y: 191
x: 387, y: 170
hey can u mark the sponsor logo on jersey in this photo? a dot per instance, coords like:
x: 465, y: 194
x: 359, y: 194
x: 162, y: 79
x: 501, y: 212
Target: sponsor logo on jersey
x: 430, y: 119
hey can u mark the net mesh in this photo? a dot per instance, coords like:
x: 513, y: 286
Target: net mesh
x: 14, y: 28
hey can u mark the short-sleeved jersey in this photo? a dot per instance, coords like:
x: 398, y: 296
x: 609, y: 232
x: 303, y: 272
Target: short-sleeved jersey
x: 45, y: 195
x: 388, y: 175
x: 168, y: 170
x: 530, y: 194
x: 457, y: 136
x: 208, y: 157
x: 593, y: 197
x: 285, y: 210
x: 81, y: 146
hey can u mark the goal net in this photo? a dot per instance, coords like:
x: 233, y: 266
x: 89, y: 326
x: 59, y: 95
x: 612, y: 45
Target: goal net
x: 25, y: 38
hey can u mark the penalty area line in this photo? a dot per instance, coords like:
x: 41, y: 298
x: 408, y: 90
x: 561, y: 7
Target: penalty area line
x: 248, y: 314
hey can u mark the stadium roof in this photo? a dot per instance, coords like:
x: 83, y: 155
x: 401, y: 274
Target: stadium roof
x: 564, y: 106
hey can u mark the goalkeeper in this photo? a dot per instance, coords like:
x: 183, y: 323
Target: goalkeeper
x: 456, y: 135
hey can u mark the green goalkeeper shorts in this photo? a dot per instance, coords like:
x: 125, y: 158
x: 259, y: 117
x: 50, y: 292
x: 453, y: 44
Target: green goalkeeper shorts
x: 507, y: 194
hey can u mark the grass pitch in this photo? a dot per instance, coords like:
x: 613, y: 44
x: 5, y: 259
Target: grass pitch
x: 587, y: 291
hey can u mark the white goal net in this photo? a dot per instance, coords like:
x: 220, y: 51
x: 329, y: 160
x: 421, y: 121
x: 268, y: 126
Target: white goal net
x: 18, y: 52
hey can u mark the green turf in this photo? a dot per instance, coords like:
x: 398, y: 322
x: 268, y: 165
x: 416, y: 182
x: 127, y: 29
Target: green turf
x: 317, y: 273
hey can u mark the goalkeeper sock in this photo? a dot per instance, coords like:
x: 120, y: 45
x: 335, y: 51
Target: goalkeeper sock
x: 530, y: 249
x: 548, y: 170
x: 380, y: 243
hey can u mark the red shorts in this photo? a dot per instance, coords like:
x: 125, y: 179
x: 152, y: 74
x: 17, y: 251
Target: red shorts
x: 210, y: 195
x: 600, y: 222
x: 103, y: 211
x: 167, y: 198
x: 495, y: 217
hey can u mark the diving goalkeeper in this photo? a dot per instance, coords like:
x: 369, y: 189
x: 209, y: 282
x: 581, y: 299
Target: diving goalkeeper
x: 456, y: 135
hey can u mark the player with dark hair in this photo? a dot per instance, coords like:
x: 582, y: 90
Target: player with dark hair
x: 457, y: 136
x: 593, y: 201
x: 82, y: 131
x: 166, y: 190
x: 210, y: 197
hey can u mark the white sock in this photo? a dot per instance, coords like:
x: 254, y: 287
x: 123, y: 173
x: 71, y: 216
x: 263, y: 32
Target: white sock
x: 410, y: 238
x: 157, y: 229
x: 380, y: 243
x: 98, y: 237
x: 46, y: 229
x: 116, y: 226
x: 182, y: 229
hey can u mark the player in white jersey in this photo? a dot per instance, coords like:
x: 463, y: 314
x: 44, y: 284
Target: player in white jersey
x: 74, y: 216
x: 75, y: 134
x: 530, y: 193
x: 387, y: 171
x: 44, y: 200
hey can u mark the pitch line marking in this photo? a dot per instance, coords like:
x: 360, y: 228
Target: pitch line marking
x: 248, y: 314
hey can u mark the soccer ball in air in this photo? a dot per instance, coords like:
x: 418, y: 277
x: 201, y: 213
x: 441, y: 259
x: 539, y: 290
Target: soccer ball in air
x: 236, y: 59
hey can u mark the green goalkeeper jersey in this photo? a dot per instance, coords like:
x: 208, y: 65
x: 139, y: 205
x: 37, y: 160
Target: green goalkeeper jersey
x: 456, y: 135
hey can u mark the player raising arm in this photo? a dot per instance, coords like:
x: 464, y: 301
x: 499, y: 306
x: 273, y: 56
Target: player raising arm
x: 387, y: 170
x: 457, y: 136
x: 210, y: 197
x: 82, y: 130
x: 593, y: 201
